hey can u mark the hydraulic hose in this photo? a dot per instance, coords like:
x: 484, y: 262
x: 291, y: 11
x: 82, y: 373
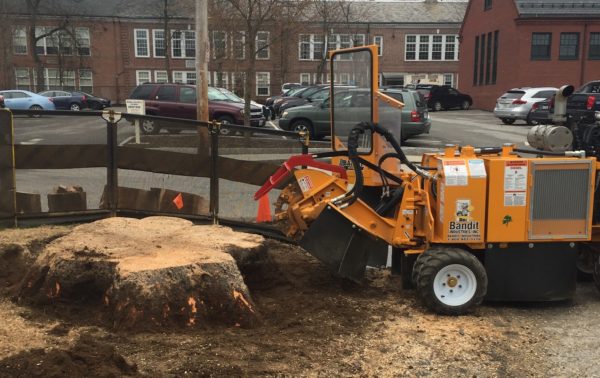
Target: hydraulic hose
x: 354, y: 158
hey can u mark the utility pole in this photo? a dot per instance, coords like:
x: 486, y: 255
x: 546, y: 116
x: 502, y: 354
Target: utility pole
x: 202, y: 57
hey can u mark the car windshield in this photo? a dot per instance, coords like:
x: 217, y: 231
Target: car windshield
x: 320, y: 95
x: 230, y: 95
x: 295, y: 91
x: 216, y: 95
x: 309, y: 91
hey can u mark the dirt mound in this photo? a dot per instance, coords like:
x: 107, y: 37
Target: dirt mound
x: 152, y: 272
x: 87, y: 358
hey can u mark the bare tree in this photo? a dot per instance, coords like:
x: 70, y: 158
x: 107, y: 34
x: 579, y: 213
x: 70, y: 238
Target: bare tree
x: 250, y: 17
x: 6, y: 40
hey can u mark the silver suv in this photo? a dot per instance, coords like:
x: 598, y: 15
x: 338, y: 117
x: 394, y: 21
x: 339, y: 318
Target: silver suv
x: 516, y: 103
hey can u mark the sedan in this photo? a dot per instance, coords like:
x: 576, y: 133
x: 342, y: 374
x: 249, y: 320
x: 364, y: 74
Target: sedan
x: 95, y: 102
x: 64, y: 100
x: 20, y: 99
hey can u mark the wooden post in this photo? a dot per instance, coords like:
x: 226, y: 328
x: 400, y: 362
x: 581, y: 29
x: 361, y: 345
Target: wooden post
x: 202, y: 57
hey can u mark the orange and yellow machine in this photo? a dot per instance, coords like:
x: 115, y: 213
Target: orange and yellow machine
x: 464, y: 225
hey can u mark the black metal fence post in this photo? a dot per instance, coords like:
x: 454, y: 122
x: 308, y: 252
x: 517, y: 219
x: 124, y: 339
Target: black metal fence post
x: 8, y: 190
x: 214, y: 130
x: 112, y: 173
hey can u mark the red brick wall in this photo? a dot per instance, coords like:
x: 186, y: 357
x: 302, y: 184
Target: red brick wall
x: 515, y: 67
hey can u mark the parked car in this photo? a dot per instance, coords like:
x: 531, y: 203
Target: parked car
x: 95, y: 102
x: 297, y: 98
x: 64, y: 100
x: 287, y: 86
x: 270, y: 103
x: 21, y: 99
x: 314, y: 117
x: 179, y: 101
x: 541, y: 112
x: 233, y: 97
x: 2, y: 102
x: 440, y: 97
x: 291, y: 93
x: 585, y: 102
x: 517, y: 103
x: 317, y: 96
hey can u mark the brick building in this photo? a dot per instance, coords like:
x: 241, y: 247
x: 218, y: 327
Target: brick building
x: 115, y: 45
x: 535, y: 43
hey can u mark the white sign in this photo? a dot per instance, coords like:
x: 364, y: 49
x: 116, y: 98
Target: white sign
x: 477, y: 168
x: 136, y: 106
x: 455, y: 172
x: 515, y: 183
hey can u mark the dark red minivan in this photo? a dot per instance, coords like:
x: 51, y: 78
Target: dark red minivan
x: 179, y: 101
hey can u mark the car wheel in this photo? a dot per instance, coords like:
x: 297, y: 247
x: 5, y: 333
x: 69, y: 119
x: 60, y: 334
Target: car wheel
x: 465, y: 105
x: 75, y: 107
x: 437, y: 106
x: 35, y: 107
x: 530, y: 122
x: 150, y: 126
x: 508, y: 121
x: 303, y: 125
x: 226, y: 120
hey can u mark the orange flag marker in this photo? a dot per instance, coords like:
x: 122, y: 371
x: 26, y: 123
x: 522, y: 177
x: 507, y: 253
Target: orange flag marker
x: 178, y: 201
x: 264, y: 210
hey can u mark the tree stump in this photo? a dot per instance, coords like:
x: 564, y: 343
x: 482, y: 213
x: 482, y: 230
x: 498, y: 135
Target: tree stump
x: 155, y: 271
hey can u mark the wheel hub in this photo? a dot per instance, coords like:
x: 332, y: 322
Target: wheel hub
x: 452, y: 281
x: 455, y: 285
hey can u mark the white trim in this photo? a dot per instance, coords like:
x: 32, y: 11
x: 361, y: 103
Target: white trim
x: 267, y: 85
x: 379, y: 45
x: 163, y: 73
x: 430, y: 44
x: 267, y: 49
x: 14, y: 37
x: 308, y: 82
x: 154, y: 38
x: 135, y: 43
x: 137, y: 76
x: 214, y: 50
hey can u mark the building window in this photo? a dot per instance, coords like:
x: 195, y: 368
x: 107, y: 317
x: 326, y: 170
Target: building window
x: 141, y: 43
x: 238, y: 83
x: 47, y: 45
x: 262, y: 45
x: 184, y: 77
x: 378, y: 40
x: 476, y: 61
x: 86, y: 83
x: 481, y: 59
x: 569, y: 46
x: 318, y: 47
x: 158, y: 38
x: 219, y: 44
x: 358, y: 40
x: 487, y: 4
x: 22, y: 78
x: 263, y: 83
x: 20, y: 40
x: 221, y: 79
x: 142, y: 77
x: 344, y: 78
x: 431, y: 47
x: 84, y: 44
x: 495, y: 61
x: 305, y: 79
x: 488, y: 59
x: 183, y: 44
x: 304, y: 47
x: 239, y: 45
x: 541, y: 44
x: 594, y: 46
x: 161, y: 77
x: 449, y: 79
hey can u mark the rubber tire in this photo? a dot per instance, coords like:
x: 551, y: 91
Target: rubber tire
x: 35, y: 107
x: 303, y: 124
x: 530, y: 122
x: 596, y: 273
x: 437, y: 106
x: 465, y: 105
x: 585, y: 264
x: 508, y: 121
x: 416, y: 269
x: 75, y: 107
x: 433, y: 260
x: 153, y: 130
x: 225, y: 119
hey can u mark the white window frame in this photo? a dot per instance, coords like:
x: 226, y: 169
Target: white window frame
x: 19, y: 35
x: 430, y: 44
x: 267, y: 48
x: 136, y: 43
x: 378, y: 40
x: 84, y: 40
x: 262, y: 86
x: 235, y: 38
x: 17, y: 77
x: 184, y: 77
x: 154, y: 39
x: 137, y: 76
x: 224, y: 79
x: 310, y: 46
x: 451, y: 82
x: 185, y: 37
x: 91, y: 79
x: 213, y: 48
x: 163, y: 74
x: 306, y: 75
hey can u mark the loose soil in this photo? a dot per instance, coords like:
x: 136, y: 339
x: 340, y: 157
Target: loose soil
x: 313, y: 324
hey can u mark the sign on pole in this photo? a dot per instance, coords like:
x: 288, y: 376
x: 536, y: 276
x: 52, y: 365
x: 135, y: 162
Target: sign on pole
x: 136, y: 107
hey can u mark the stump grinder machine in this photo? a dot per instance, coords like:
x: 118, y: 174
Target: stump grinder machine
x: 464, y: 225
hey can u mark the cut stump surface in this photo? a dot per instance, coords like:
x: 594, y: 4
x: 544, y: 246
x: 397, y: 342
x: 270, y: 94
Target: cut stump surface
x: 150, y: 272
